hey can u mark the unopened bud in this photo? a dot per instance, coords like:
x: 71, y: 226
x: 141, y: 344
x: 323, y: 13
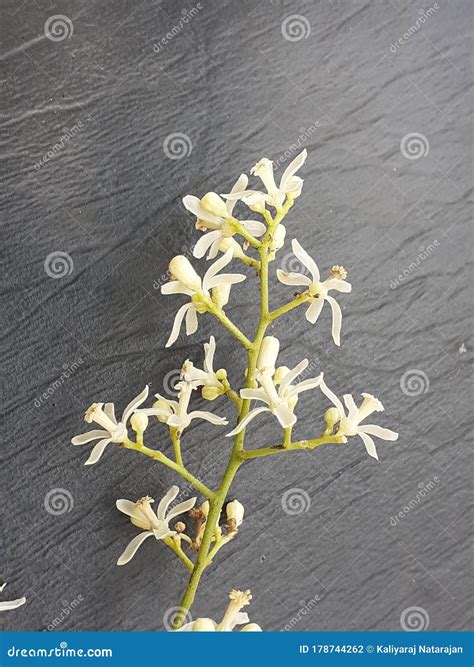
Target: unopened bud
x: 204, y: 625
x: 268, y: 354
x: 162, y: 404
x: 235, y: 512
x: 139, y: 422
x: 331, y: 417
x: 215, y: 205
x: 181, y: 268
x: 211, y: 393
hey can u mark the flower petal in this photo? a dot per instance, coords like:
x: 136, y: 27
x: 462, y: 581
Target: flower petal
x: 291, y: 375
x: 193, y: 204
x: 292, y: 168
x: 97, y: 452
x: 337, y: 284
x: 7, y: 605
x: 88, y: 437
x: 306, y: 385
x: 336, y: 319
x: 176, y: 287
x: 378, y: 432
x: 285, y: 416
x: 306, y: 260
x: 314, y: 311
x: 177, y: 323
x: 245, y: 421
x: 191, y: 321
x: 126, y: 506
x: 134, y: 403
x: 254, y: 227
x: 209, y: 351
x: 369, y: 444
x: 166, y: 501
x: 332, y: 397
x: 255, y: 395
x: 350, y: 405
x: 207, y: 416
x: 225, y: 279
x: 293, y: 278
x: 110, y: 411
x: 205, y: 242
x: 181, y: 508
x: 132, y: 547
x: 216, y: 267
x: 240, y: 184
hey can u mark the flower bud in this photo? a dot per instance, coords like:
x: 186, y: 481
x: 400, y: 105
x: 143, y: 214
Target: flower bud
x: 180, y: 527
x: 331, y: 417
x: 280, y: 373
x: 181, y: 269
x: 258, y: 207
x: 268, y: 354
x: 204, y: 625
x: 205, y: 508
x: 211, y: 393
x: 235, y: 512
x: 215, y: 205
x: 251, y: 627
x: 229, y: 242
x: 163, y: 404
x: 139, y: 422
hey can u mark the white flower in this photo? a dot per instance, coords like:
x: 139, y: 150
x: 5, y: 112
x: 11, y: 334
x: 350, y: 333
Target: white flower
x: 7, y: 605
x: 350, y: 423
x: 175, y: 413
x: 232, y: 617
x: 279, y: 401
x: 144, y: 517
x: 188, y: 282
x: 215, y: 215
x: 114, y: 431
x: 207, y: 378
x: 317, y: 289
x: 235, y: 513
x: 290, y: 185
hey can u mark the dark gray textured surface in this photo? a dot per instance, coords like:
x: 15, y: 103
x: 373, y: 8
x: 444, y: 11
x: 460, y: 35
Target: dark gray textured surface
x: 111, y: 198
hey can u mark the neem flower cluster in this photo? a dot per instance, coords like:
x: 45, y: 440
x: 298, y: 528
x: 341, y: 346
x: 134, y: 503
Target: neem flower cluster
x: 268, y: 388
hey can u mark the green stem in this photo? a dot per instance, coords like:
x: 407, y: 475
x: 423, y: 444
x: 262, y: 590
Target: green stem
x: 299, y: 445
x: 176, y: 440
x: 297, y: 301
x: 180, y: 469
x: 176, y: 548
x: 241, y: 231
x: 224, y: 320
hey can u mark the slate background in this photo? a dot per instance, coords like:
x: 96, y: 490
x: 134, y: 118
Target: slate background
x: 111, y: 200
